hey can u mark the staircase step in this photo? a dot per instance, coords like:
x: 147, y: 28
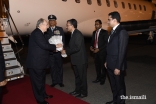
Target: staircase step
x: 7, y: 51
x: 12, y: 67
x: 14, y: 77
x: 5, y: 44
x: 10, y: 59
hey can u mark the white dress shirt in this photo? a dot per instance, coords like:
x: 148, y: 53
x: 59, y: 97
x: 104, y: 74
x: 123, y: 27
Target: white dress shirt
x: 113, y: 31
x: 97, y: 37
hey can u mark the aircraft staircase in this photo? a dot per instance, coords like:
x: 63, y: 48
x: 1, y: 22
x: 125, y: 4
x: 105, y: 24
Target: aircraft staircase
x: 14, y: 70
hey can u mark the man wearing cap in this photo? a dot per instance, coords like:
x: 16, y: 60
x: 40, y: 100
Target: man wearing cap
x: 56, y: 65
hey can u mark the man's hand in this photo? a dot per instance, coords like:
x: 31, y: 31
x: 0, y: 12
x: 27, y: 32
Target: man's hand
x: 3, y: 83
x: 91, y: 48
x: 63, y: 52
x: 59, y: 45
x: 117, y: 72
x: 96, y: 50
x: 105, y: 64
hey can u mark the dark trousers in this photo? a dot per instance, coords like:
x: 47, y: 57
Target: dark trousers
x: 117, y: 85
x: 81, y: 78
x: 100, y: 68
x: 0, y: 95
x: 37, y: 77
x: 56, y: 68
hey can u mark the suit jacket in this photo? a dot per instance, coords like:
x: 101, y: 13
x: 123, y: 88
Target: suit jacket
x: 116, y: 49
x: 2, y: 65
x: 102, y: 41
x: 38, y: 51
x: 51, y: 33
x: 76, y: 48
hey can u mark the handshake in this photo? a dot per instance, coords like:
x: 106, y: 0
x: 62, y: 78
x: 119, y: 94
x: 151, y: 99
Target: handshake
x: 63, y: 53
x: 57, y: 40
x: 60, y: 48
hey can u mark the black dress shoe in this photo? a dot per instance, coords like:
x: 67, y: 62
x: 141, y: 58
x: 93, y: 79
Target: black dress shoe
x: 44, y: 102
x: 96, y: 81
x: 80, y: 96
x: 61, y: 85
x: 53, y: 85
x: 111, y: 102
x: 102, y: 82
x: 48, y: 96
x: 74, y: 93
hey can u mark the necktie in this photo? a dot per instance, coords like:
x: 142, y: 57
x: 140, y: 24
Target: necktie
x: 110, y: 35
x: 112, y: 32
x: 52, y: 29
x: 96, y: 39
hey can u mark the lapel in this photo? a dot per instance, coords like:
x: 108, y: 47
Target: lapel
x: 94, y: 34
x: 114, y: 33
x: 71, y: 39
x: 50, y: 31
x: 55, y: 28
x: 99, y: 35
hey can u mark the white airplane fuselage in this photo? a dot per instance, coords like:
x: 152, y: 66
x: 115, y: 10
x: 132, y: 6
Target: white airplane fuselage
x: 25, y: 13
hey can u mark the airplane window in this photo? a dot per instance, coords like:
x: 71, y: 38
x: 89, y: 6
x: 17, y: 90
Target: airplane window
x: 134, y: 6
x: 108, y: 3
x: 89, y: 2
x: 129, y: 6
x: 115, y: 4
x: 64, y: 0
x: 123, y: 5
x: 77, y: 1
x: 140, y: 7
x: 144, y: 8
x: 99, y: 2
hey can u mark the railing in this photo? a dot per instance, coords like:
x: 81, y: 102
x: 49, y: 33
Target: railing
x: 4, y: 13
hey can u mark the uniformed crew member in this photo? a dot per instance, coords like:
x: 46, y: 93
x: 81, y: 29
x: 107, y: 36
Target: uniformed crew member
x: 56, y: 65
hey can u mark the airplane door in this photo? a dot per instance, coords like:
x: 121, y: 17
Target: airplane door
x: 153, y: 15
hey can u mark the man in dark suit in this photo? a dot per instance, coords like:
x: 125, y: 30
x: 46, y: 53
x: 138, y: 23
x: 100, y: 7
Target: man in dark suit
x: 116, y: 58
x: 37, y: 60
x: 3, y: 82
x: 78, y: 56
x: 98, y: 47
x: 56, y: 65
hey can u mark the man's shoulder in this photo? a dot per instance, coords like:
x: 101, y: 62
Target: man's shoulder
x: 120, y: 28
x: 103, y: 30
x: 76, y: 31
x: 37, y: 30
x: 58, y: 27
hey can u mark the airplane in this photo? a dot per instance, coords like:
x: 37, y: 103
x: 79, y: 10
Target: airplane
x: 19, y: 17
x: 136, y: 15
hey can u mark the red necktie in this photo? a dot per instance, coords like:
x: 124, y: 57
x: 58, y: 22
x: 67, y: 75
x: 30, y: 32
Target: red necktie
x: 96, y: 39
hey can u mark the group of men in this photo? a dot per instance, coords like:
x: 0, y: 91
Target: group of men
x: 42, y: 55
x: 110, y: 55
x: 109, y: 51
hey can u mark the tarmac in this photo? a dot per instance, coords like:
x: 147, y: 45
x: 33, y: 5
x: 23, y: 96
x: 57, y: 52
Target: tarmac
x: 140, y: 75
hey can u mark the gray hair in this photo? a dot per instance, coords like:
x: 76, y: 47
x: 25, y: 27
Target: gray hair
x: 41, y: 20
